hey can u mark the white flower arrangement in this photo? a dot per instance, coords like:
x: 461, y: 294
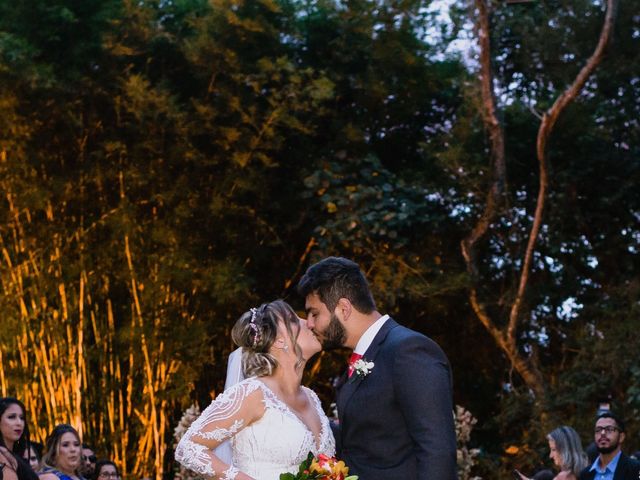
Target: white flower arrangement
x: 466, y: 456
x: 188, y: 417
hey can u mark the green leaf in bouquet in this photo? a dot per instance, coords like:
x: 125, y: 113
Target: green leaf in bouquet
x: 304, y: 466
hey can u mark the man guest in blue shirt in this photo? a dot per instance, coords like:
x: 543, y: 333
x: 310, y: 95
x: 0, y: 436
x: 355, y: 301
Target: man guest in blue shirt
x: 611, y: 463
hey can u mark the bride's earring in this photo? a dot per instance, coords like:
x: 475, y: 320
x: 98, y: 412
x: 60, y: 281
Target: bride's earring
x: 284, y: 347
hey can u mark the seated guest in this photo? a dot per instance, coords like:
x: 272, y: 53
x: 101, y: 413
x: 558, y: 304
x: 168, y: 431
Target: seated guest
x: 33, y: 454
x: 14, y: 438
x: 565, y: 449
x: 106, y: 470
x: 88, y: 466
x: 63, y: 454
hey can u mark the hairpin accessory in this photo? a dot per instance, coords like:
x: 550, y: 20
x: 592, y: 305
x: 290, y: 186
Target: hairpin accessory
x: 254, y: 327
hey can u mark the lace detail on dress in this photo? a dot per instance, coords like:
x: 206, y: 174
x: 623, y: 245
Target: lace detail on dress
x: 327, y: 442
x: 224, y: 407
x: 231, y: 473
x: 220, y: 434
x: 280, y: 440
x: 275, y: 443
x: 195, y: 457
x: 271, y: 401
x: 219, y: 420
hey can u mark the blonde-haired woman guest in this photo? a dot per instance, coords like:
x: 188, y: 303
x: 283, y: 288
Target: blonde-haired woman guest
x: 565, y: 449
x: 63, y: 454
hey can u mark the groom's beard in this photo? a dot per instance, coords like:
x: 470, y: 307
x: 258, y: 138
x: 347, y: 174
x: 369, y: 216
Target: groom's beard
x: 335, y: 335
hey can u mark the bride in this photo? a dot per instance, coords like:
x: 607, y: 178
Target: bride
x: 270, y: 420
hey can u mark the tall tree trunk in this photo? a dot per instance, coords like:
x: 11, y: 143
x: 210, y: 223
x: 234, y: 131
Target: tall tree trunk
x: 505, y: 336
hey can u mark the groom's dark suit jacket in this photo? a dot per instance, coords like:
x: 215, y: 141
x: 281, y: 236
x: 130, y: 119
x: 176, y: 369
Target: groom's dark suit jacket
x: 627, y: 469
x: 397, y: 422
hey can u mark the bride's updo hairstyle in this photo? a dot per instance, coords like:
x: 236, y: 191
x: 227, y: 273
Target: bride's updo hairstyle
x: 257, y: 330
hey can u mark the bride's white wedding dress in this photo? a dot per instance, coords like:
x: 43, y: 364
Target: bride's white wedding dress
x: 276, y: 443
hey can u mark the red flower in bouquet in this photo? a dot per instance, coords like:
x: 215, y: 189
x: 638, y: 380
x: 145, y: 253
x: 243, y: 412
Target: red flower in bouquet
x: 322, y: 468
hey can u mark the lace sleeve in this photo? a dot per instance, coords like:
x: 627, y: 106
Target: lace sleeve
x: 229, y: 413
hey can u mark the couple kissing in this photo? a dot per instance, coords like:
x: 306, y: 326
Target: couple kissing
x: 394, y: 400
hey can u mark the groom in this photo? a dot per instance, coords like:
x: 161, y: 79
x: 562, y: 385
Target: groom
x: 395, y: 416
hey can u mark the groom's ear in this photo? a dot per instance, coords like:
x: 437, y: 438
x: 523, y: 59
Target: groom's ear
x: 344, y: 309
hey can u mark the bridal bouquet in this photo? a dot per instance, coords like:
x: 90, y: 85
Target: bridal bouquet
x: 321, y: 468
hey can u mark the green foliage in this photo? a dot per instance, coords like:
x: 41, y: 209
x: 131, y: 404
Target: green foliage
x: 585, y: 256
x: 372, y: 214
x: 303, y: 471
x: 176, y: 159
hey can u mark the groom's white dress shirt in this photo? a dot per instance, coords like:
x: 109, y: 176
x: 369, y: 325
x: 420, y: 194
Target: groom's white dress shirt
x: 369, y: 334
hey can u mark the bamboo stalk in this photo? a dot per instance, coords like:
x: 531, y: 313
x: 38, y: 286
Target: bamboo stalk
x: 77, y: 390
x: 52, y: 349
x: 3, y: 381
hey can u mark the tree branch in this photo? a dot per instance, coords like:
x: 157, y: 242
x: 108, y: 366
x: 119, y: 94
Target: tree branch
x: 303, y: 258
x: 546, y: 127
x: 506, y: 339
x: 496, y: 136
x: 495, y: 196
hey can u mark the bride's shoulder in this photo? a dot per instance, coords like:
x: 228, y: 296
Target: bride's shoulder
x: 243, y: 398
x: 243, y: 388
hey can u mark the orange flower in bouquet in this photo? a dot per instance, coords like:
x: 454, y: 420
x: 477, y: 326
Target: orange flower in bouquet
x: 323, y: 467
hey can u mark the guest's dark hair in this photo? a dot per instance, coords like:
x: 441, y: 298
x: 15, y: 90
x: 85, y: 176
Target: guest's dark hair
x: 616, y: 418
x: 20, y: 445
x: 52, y: 443
x: 38, y: 448
x: 102, y: 463
x: 334, y: 278
x: 256, y: 331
